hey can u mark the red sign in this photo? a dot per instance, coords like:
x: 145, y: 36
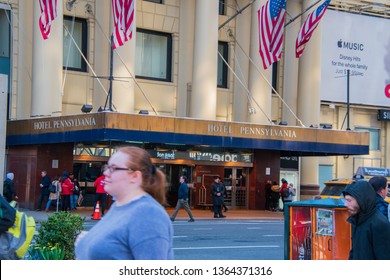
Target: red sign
x: 387, y: 91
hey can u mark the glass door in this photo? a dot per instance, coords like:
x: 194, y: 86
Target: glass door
x: 235, y: 180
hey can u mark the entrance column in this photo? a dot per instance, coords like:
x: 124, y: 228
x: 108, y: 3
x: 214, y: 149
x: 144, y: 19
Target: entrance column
x: 258, y: 86
x: 243, y: 40
x: 309, y: 86
x: 124, y: 61
x: 24, y: 62
x: 102, y: 51
x: 204, y: 77
x: 47, y: 66
x: 290, y: 78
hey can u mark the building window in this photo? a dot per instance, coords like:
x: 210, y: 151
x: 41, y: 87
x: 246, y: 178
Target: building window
x: 374, y: 137
x: 155, y: 1
x: 72, y: 59
x: 5, y: 51
x: 275, y: 76
x: 222, y: 10
x: 4, y: 33
x: 154, y: 55
x: 222, y: 67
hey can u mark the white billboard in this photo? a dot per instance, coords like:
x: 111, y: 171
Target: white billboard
x: 362, y: 45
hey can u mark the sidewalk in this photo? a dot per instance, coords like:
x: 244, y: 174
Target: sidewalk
x: 198, y: 214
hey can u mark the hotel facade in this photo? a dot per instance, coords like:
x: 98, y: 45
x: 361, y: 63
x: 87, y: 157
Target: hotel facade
x: 190, y: 88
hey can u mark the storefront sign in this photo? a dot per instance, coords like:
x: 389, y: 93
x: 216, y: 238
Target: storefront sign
x: 373, y: 171
x: 384, y: 115
x: 289, y: 162
x: 202, y: 156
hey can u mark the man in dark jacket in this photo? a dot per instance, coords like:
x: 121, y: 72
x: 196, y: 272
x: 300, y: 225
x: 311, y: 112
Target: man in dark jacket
x: 218, y: 192
x: 379, y: 183
x: 8, y: 188
x: 44, y: 194
x: 183, y: 200
x: 370, y: 229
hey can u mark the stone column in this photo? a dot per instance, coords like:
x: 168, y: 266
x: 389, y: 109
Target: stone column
x: 290, y: 77
x: 185, y: 62
x: 309, y: 86
x: 258, y: 86
x: 103, y: 15
x: 47, y: 66
x: 241, y: 52
x: 204, y: 78
x: 24, y: 62
x: 124, y: 61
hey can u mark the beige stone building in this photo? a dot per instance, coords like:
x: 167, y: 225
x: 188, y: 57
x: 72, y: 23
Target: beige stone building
x: 199, y: 59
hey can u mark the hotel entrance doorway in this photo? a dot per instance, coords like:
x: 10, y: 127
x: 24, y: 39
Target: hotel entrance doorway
x: 236, y: 182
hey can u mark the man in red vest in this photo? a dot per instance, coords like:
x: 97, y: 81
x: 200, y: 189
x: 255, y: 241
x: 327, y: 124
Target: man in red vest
x: 101, y: 194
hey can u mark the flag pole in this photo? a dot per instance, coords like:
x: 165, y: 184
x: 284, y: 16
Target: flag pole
x: 299, y: 15
x: 111, y: 77
x: 348, y: 73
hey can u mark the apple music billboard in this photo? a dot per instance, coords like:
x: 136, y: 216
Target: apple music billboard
x: 362, y: 45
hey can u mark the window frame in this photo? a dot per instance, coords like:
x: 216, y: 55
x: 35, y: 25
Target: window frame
x: 169, y: 55
x: 222, y: 7
x: 224, y: 70
x: 84, y: 44
x: 371, y: 130
x: 155, y: 1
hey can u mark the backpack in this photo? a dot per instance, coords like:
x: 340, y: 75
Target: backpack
x: 52, y: 188
x: 15, y: 241
x: 286, y: 192
x: 6, y: 189
x: 7, y: 215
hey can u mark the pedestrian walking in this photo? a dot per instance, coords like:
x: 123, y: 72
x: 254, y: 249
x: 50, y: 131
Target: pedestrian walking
x: 54, y: 196
x: 379, y: 183
x: 101, y: 194
x: 137, y: 227
x: 8, y: 188
x: 370, y: 228
x: 76, y: 191
x: 66, y: 191
x: 182, y: 201
x: 44, y: 190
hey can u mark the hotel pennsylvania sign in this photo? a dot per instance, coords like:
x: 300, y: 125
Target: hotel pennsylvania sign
x: 67, y: 123
x: 112, y: 126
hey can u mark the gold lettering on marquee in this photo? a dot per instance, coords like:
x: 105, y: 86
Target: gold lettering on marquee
x: 254, y: 131
x: 67, y: 123
x: 268, y: 132
x: 219, y: 128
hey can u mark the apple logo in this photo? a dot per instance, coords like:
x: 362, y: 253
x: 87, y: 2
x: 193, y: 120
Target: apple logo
x: 340, y: 43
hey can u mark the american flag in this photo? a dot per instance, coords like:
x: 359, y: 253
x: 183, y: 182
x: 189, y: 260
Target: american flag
x: 308, y: 27
x: 271, y: 18
x: 48, y: 14
x: 123, y: 12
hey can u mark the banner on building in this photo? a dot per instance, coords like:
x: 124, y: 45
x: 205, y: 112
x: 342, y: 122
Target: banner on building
x: 360, y: 44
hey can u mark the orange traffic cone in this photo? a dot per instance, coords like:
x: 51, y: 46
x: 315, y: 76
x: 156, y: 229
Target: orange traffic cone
x: 96, y: 214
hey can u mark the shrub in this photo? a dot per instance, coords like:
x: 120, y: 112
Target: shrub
x: 46, y: 253
x: 60, y: 231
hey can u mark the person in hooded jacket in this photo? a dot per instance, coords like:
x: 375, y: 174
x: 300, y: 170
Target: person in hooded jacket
x: 8, y: 188
x: 370, y: 229
x: 379, y: 184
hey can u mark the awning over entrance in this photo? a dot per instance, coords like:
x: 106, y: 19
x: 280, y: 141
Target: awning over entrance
x: 111, y: 126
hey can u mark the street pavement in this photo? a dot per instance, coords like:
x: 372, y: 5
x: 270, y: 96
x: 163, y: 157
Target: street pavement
x: 243, y: 234
x: 199, y: 214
